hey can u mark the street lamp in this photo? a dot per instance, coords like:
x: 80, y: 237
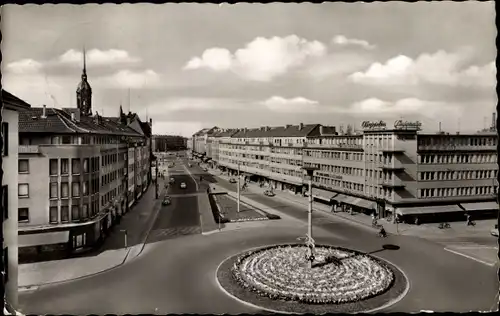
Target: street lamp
x: 310, y: 171
x: 156, y: 181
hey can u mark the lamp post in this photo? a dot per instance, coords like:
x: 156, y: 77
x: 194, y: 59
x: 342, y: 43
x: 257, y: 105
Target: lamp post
x: 124, y: 231
x: 156, y: 178
x: 310, y: 170
x: 238, y: 209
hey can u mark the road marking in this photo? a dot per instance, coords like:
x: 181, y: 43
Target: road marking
x: 185, y: 195
x: 470, y: 257
x: 191, y: 175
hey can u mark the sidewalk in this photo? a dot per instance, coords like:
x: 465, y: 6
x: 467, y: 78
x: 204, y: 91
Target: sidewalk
x: 458, y: 229
x: 137, y: 222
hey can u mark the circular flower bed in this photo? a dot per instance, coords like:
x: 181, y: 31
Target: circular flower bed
x: 338, y: 275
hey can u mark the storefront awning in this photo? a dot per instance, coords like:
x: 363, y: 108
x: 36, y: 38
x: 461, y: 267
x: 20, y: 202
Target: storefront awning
x: 480, y: 206
x: 322, y: 194
x: 428, y: 209
x: 341, y: 198
x: 369, y: 205
x: 43, y: 239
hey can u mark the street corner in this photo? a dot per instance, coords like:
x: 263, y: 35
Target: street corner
x: 487, y: 255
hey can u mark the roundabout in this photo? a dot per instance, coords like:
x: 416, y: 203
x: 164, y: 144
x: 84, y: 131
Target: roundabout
x: 279, y: 278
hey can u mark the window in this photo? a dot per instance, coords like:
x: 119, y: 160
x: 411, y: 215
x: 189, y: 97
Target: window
x: 75, y: 213
x: 53, y: 167
x: 53, y: 190
x: 4, y: 194
x: 66, y: 139
x: 75, y: 189
x: 85, y: 211
x: 23, y: 190
x: 86, y: 165
x: 64, y: 190
x: 23, y: 214
x: 53, y: 216
x: 75, y: 166
x: 5, y: 137
x: 55, y: 140
x: 23, y: 166
x: 85, y: 188
x: 64, y: 214
x: 64, y: 166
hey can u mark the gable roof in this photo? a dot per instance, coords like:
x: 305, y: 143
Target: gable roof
x: 12, y: 102
x: 280, y: 131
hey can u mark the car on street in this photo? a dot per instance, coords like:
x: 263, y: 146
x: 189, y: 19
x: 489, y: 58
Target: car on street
x: 166, y: 200
x: 172, y: 180
x: 183, y: 185
x: 269, y: 193
x: 232, y: 180
x: 190, y: 165
x: 494, y: 231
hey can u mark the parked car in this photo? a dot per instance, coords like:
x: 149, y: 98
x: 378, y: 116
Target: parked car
x: 269, y: 193
x: 494, y: 231
x: 166, y: 200
x: 183, y: 185
x: 172, y: 180
x: 232, y: 180
x: 190, y: 165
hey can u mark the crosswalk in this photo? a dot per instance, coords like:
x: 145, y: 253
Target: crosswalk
x: 174, y: 232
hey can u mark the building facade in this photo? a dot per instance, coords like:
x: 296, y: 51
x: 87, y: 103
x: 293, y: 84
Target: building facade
x: 202, y: 142
x: 73, y: 175
x: 394, y: 170
x: 11, y: 106
x: 163, y: 143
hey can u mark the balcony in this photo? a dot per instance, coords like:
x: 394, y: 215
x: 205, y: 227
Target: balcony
x: 29, y: 149
x: 393, y: 167
x: 395, y: 184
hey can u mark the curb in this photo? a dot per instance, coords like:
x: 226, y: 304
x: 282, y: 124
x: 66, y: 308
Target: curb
x: 35, y: 287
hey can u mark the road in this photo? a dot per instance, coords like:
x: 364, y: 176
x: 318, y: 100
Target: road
x: 176, y: 275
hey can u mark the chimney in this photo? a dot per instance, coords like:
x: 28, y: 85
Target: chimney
x: 439, y: 127
x: 44, y: 111
x: 321, y: 129
x: 301, y: 126
x: 494, y: 121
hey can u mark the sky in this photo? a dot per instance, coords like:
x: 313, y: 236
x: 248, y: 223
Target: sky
x: 190, y: 66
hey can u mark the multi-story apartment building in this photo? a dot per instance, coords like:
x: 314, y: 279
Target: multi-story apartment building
x: 164, y: 143
x: 11, y: 106
x: 202, y: 142
x: 272, y: 155
x: 72, y: 176
x: 220, y: 135
x: 395, y: 170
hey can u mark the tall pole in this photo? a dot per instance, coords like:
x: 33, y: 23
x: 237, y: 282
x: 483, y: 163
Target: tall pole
x: 238, y: 188
x: 309, y: 220
x: 2, y: 211
x: 156, y: 180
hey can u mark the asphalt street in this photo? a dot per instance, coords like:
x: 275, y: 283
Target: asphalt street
x: 177, y: 275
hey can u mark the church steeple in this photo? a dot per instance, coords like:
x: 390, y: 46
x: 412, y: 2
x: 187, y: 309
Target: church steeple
x: 84, y: 91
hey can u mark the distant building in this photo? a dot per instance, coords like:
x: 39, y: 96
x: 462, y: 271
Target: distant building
x: 11, y: 106
x: 163, y: 143
x: 387, y: 170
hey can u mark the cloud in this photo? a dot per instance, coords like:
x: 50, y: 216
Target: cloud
x: 129, y: 79
x: 186, y: 129
x: 24, y: 66
x: 96, y: 57
x: 262, y: 59
x: 340, y: 63
x: 344, y: 41
x: 404, y: 106
x: 298, y: 104
x: 440, y: 68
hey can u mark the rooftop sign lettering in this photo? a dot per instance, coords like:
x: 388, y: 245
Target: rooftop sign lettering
x: 400, y: 124
x: 373, y: 125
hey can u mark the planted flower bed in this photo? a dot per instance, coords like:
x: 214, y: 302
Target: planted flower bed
x: 338, y: 276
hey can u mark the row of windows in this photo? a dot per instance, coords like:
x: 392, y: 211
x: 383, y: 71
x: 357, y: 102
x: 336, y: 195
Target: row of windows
x: 112, y: 176
x: 339, y: 155
x: 458, y: 141
x: 463, y: 191
x: 64, y: 170
x: 64, y: 213
x: 457, y: 175
x: 457, y: 158
x: 79, y: 140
